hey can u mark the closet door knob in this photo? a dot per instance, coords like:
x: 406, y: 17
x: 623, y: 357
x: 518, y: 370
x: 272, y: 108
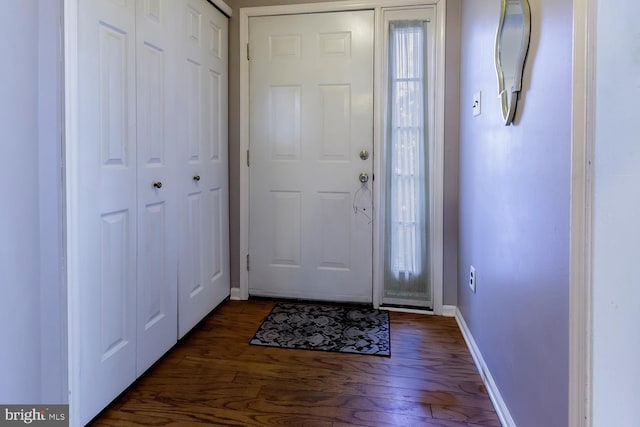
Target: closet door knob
x: 196, y: 178
x: 157, y: 184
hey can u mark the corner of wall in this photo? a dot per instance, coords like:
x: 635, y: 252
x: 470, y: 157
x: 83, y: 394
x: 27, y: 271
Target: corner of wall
x: 451, y: 152
x: 53, y: 330
x: 494, y: 393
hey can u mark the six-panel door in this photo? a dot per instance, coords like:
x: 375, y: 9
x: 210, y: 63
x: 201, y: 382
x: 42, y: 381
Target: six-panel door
x: 311, y: 96
x: 202, y: 153
x: 156, y: 182
x: 107, y: 203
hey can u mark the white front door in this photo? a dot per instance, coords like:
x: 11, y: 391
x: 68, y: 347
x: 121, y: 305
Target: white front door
x: 311, y: 114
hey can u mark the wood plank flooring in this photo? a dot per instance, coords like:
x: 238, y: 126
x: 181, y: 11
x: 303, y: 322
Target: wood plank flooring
x: 214, y: 377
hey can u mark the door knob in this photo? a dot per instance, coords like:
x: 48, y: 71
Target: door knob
x: 196, y: 178
x: 157, y: 184
x: 363, y: 177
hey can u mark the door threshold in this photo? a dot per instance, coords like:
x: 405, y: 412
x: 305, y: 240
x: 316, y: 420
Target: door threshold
x: 309, y: 301
x: 407, y: 309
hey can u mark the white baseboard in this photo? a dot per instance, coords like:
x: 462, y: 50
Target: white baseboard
x: 449, y: 310
x: 494, y: 394
x: 235, y: 294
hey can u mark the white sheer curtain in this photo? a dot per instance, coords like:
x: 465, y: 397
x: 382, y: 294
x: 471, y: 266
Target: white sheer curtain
x: 406, y: 266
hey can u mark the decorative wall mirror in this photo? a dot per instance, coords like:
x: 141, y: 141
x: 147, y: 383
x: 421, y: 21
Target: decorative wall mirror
x: 512, y: 44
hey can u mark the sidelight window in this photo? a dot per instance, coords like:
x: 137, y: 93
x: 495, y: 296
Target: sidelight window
x: 407, y: 177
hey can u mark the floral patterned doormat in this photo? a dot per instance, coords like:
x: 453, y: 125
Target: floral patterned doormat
x: 346, y: 329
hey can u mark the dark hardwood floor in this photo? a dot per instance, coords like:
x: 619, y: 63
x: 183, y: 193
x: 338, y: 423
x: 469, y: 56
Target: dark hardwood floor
x: 214, y: 377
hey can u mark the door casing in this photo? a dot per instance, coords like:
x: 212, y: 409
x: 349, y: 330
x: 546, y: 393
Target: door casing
x: 436, y: 214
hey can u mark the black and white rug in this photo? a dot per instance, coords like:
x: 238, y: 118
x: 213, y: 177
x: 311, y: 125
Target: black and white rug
x: 346, y: 329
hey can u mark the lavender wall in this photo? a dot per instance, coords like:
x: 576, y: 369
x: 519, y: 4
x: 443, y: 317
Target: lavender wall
x: 514, y: 212
x: 451, y: 153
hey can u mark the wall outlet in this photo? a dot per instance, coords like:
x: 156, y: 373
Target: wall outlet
x: 472, y: 279
x: 477, y: 103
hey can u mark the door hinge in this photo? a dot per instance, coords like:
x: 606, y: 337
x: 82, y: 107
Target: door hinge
x: 248, y: 162
x: 247, y: 262
x: 248, y: 54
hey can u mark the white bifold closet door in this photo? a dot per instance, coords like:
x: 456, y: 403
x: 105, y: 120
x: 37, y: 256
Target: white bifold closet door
x: 150, y: 208
x: 107, y: 204
x: 156, y: 159
x: 203, y: 177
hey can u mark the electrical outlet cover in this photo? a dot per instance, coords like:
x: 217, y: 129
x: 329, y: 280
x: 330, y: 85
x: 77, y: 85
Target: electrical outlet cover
x: 472, y: 278
x: 477, y: 103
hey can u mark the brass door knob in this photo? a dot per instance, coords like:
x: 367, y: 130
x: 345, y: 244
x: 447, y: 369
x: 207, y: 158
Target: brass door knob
x: 157, y: 184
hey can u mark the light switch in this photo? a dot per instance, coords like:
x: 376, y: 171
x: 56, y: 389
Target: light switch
x: 477, y: 103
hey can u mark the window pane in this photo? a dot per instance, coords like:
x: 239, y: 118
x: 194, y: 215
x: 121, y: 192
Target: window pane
x: 406, y: 258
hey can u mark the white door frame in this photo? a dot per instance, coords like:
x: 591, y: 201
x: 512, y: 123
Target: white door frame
x: 72, y: 179
x: 379, y: 98
x: 581, y: 229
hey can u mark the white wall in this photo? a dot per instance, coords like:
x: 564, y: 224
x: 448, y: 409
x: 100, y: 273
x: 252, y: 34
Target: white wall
x: 52, y: 293
x: 616, y: 215
x: 19, y: 215
x: 32, y: 308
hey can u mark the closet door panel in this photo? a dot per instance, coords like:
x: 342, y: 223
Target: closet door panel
x: 157, y: 193
x: 202, y: 173
x: 217, y: 57
x: 106, y: 208
x: 192, y: 172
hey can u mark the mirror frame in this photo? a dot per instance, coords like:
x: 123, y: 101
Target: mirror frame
x: 509, y: 101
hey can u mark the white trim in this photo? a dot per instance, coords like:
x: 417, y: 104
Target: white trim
x: 379, y: 116
x: 494, y: 393
x: 580, y: 287
x: 436, y: 165
x: 449, y: 310
x: 437, y: 175
x: 235, y: 294
x: 71, y: 149
x: 334, y: 6
x: 436, y: 214
x: 222, y: 6
x: 244, y: 146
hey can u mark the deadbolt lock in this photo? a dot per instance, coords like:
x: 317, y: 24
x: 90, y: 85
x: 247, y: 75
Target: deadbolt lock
x: 364, y: 154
